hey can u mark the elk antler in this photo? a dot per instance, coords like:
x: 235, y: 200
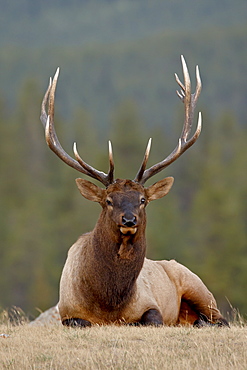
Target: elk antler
x: 55, y: 146
x: 189, y: 101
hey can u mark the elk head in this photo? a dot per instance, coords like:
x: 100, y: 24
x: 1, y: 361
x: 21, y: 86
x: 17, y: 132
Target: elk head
x: 124, y: 201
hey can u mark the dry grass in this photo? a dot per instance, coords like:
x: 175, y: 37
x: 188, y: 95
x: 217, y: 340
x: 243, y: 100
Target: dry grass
x: 112, y: 347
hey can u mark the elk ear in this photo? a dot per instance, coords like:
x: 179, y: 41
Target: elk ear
x: 159, y: 189
x: 89, y: 190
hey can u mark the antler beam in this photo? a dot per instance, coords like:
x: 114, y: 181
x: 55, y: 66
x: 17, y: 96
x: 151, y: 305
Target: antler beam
x: 184, y: 143
x: 143, y: 174
x: 54, y: 144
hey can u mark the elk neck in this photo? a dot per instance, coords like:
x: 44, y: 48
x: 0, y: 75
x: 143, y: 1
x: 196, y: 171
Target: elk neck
x: 116, y: 261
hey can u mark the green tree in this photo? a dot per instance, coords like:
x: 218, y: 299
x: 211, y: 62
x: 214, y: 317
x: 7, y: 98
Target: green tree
x: 219, y: 235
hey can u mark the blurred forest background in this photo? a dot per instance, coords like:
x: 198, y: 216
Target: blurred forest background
x: 118, y: 59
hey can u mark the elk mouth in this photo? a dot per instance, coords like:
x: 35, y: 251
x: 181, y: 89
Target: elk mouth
x: 128, y: 230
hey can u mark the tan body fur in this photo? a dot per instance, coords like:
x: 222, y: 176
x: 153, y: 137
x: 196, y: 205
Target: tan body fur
x: 162, y: 285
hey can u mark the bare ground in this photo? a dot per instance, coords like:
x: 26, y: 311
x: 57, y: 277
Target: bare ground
x: 113, y: 347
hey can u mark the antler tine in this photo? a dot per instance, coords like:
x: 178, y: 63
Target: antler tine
x: 111, y: 164
x: 55, y: 146
x: 198, y: 85
x: 43, y: 116
x: 106, y: 179
x: 144, y: 162
x: 189, y: 101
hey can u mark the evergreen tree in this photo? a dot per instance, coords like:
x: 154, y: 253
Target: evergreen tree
x: 219, y: 237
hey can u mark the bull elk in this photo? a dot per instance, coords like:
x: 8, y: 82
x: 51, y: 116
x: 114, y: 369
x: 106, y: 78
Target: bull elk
x: 106, y: 278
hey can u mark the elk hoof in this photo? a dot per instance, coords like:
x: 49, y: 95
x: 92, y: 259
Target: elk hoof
x: 151, y: 317
x: 76, y: 323
x: 204, y: 321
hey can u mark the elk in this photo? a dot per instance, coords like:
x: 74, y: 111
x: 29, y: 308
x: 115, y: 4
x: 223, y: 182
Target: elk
x: 107, y: 278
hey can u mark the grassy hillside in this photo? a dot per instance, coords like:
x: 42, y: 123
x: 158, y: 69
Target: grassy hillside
x: 122, y: 348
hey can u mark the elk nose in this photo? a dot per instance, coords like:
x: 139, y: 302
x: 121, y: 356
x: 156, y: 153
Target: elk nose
x: 129, y: 221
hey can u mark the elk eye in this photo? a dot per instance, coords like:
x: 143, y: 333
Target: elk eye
x: 108, y: 202
x: 143, y: 200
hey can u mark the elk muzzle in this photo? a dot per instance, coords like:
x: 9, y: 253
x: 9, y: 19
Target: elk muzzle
x: 128, y: 224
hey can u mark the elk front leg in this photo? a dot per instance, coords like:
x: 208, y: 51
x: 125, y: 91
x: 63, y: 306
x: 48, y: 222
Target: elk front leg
x: 76, y: 323
x: 151, y: 317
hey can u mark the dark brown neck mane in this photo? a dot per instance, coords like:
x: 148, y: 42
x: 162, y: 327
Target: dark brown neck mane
x: 115, y: 263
